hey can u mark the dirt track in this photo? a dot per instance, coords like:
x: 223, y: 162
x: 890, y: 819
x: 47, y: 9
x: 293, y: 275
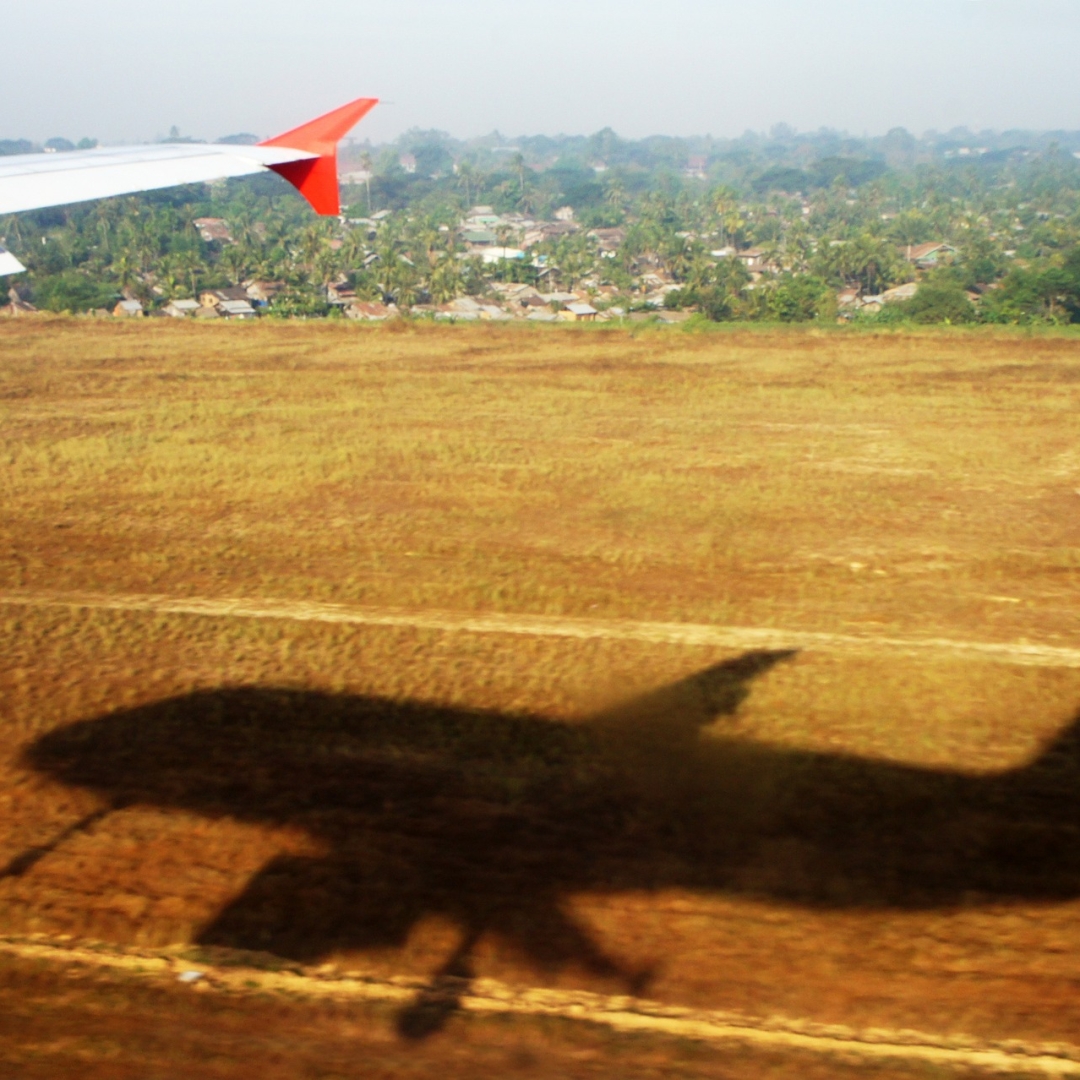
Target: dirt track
x: 622, y: 1014
x: 734, y: 637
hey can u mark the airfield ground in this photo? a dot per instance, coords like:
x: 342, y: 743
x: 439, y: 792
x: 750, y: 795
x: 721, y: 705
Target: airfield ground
x: 408, y: 753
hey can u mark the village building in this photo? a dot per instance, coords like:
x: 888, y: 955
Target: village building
x: 369, y: 311
x: 900, y: 293
x: 128, y: 309
x: 477, y: 239
x: 211, y: 229
x: 560, y: 297
x: 216, y: 297
x: 499, y: 254
x: 16, y: 306
x: 927, y: 256
x: 482, y: 217
x: 755, y: 260
x: 340, y: 292
x: 181, y: 309
x: 579, y: 312
x: 236, y: 309
x: 262, y: 293
x: 696, y: 165
x: 608, y: 240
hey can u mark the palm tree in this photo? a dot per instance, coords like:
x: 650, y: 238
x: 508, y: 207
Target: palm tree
x: 615, y: 194
x: 366, y: 165
x: 190, y: 265
x: 468, y: 177
x: 124, y: 268
x: 234, y: 261
x: 517, y: 163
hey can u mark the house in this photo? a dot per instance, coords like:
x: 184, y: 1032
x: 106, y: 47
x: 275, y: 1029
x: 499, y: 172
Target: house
x: 477, y: 239
x: 695, y: 167
x: 564, y: 213
x: 550, y: 231
x: 498, y: 254
x: 181, y: 309
x: 368, y: 310
x: 579, y: 312
x: 608, y: 240
x: 236, y: 309
x: 482, y: 217
x: 340, y: 292
x: 848, y: 298
x: 408, y: 163
x: 518, y: 295
x: 215, y: 297
x: 16, y: 306
x: 927, y: 256
x: 261, y: 293
x: 652, y: 281
x: 211, y: 229
x: 900, y: 293
x: 754, y: 259
x: 128, y: 309
x: 658, y: 298
x: 464, y: 304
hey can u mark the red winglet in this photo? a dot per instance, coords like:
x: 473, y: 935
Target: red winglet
x: 316, y: 178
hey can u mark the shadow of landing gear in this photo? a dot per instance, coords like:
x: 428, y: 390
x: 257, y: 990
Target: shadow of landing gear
x: 493, y: 822
x: 437, y: 1002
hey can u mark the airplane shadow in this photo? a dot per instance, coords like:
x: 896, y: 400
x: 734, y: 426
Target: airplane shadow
x: 493, y: 821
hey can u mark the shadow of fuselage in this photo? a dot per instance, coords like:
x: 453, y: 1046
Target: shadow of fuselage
x: 493, y: 820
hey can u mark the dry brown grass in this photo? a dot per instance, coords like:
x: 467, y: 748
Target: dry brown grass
x: 772, y: 479
x: 914, y: 484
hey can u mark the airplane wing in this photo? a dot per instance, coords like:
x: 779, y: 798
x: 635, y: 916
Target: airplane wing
x: 8, y: 263
x: 305, y: 156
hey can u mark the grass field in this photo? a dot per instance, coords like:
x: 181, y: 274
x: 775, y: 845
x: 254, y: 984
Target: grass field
x: 879, y: 838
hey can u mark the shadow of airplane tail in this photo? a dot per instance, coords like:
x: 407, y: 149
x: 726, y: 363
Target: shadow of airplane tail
x: 495, y: 821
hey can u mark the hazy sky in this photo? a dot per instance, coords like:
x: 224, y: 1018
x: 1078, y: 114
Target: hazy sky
x: 124, y: 72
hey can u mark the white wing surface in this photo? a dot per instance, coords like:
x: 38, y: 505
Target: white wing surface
x: 9, y: 264
x: 306, y: 156
x: 33, y: 181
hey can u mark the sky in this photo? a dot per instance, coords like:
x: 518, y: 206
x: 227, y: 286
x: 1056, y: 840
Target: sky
x: 127, y: 73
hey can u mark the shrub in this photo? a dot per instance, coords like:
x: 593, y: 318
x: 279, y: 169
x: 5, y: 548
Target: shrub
x: 73, y: 292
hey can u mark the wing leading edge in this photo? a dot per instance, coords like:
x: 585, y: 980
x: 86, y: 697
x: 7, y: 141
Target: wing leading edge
x: 305, y: 156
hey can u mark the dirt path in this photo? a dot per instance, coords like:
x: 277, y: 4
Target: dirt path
x: 733, y: 637
x: 623, y: 1014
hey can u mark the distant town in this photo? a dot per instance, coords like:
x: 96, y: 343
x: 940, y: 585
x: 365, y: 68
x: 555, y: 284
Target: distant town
x: 783, y: 227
